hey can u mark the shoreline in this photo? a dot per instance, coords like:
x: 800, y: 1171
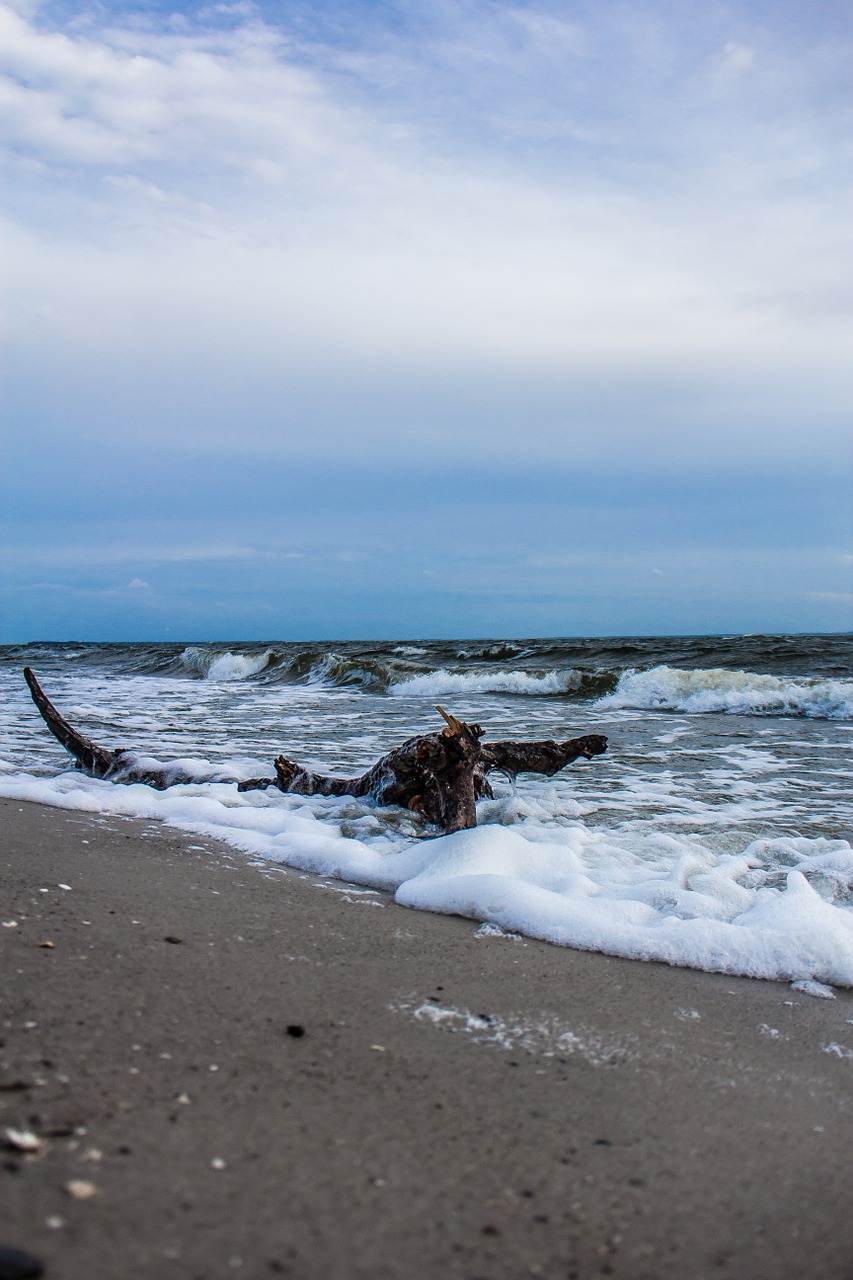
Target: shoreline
x: 459, y: 1104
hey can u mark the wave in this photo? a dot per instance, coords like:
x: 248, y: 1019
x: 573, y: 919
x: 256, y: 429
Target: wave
x: 500, y: 651
x: 399, y: 675
x: 211, y: 664
x: 571, y: 683
x: 735, y: 692
x: 375, y: 675
x: 304, y: 666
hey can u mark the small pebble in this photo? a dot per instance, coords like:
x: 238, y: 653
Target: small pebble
x: 80, y: 1190
x: 22, y: 1140
x: 217, y: 1163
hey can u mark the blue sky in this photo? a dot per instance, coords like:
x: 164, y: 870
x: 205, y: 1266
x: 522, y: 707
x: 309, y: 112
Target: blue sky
x: 420, y: 319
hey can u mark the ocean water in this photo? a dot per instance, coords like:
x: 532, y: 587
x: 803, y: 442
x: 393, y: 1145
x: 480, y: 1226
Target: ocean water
x: 715, y: 833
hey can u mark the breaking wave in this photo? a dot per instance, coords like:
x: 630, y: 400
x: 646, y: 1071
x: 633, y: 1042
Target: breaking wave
x: 373, y: 674
x: 737, y: 692
x: 399, y: 674
x: 571, y: 683
x: 211, y: 664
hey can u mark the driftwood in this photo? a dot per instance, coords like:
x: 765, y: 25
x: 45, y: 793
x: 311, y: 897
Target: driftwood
x: 438, y: 775
x: 119, y: 765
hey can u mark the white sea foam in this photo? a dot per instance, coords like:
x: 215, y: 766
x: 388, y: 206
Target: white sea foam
x: 542, y: 1036
x: 811, y: 988
x: 743, y: 692
x: 839, y: 1050
x: 770, y: 909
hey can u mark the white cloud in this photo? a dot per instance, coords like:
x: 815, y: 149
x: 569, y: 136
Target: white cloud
x: 736, y: 58
x: 519, y: 210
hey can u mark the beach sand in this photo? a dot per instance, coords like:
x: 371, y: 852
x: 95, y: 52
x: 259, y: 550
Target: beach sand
x: 686, y: 1125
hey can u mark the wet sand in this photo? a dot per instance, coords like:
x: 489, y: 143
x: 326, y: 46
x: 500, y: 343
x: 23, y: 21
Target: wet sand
x: 254, y: 1073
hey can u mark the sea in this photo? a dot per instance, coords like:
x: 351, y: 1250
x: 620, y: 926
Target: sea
x: 715, y: 833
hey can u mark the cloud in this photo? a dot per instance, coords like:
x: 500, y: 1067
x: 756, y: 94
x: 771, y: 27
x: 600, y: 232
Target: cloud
x: 735, y: 58
x: 223, y: 213
x: 88, y: 550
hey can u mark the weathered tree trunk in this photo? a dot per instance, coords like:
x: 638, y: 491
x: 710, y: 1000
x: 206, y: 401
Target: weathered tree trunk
x: 438, y: 775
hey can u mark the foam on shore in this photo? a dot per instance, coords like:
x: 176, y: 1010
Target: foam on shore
x: 775, y: 908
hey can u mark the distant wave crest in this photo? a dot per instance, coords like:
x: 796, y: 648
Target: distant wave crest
x: 499, y: 651
x: 738, y: 692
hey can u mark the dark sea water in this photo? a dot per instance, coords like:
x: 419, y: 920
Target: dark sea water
x: 715, y: 832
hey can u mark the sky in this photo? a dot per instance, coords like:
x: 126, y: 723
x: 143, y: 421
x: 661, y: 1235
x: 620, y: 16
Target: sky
x: 419, y: 319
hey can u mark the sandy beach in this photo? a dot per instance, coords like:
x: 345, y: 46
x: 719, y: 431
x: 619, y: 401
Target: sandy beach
x: 232, y: 1069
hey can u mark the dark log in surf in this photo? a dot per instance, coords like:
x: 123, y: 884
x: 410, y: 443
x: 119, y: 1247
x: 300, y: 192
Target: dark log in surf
x: 94, y: 760
x: 547, y: 757
x: 437, y: 775
x: 119, y: 765
x: 433, y: 775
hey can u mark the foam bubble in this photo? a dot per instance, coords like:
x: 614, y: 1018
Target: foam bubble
x: 811, y: 988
